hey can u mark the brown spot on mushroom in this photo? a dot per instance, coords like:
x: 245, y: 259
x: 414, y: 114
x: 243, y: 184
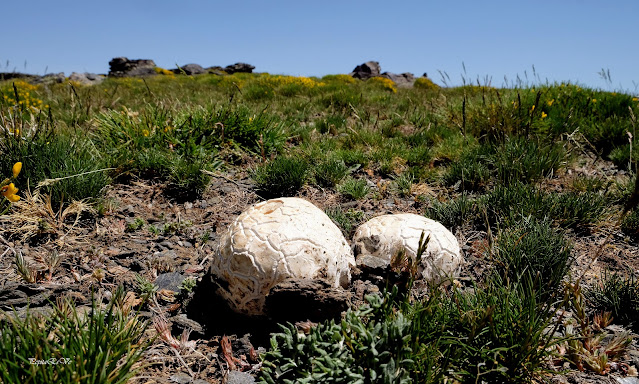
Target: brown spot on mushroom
x: 271, y: 206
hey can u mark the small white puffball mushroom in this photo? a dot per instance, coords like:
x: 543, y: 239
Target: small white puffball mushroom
x: 276, y: 240
x: 384, y: 236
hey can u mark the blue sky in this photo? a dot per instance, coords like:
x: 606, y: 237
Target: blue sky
x: 565, y: 40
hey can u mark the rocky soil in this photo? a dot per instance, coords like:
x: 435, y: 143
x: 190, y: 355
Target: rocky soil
x: 143, y: 232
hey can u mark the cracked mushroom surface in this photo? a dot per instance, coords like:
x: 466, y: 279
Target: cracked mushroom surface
x: 383, y: 236
x: 273, y: 241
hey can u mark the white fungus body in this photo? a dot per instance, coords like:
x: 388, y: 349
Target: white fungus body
x: 276, y: 240
x: 384, y: 236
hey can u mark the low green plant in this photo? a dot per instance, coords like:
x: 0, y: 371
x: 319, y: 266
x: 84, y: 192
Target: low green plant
x: 498, y: 333
x: 470, y: 173
x: 532, y: 251
x: 578, y: 211
x: 69, y: 346
x: 587, y: 344
x: 594, y: 184
x: 455, y: 213
x: 135, y: 224
x: 376, y: 343
x: 354, y: 188
x: 346, y: 220
x: 70, y: 164
x: 630, y: 224
x: 404, y: 183
x: 330, y: 172
x: 146, y: 288
x: 514, y: 160
x: 283, y: 176
x: 618, y: 295
x: 501, y: 333
x: 330, y: 124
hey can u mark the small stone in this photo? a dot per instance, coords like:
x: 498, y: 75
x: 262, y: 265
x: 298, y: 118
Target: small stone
x: 168, y: 254
x: 170, y: 281
x: 167, y: 244
x: 188, y: 205
x: 180, y: 378
x: 627, y: 380
x: 128, y: 210
x: 238, y: 377
x: 203, y: 204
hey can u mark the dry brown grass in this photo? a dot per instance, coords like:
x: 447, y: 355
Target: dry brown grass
x: 34, y: 216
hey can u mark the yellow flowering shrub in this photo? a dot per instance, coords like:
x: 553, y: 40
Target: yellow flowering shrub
x: 341, y: 78
x: 27, y: 97
x: 164, y: 72
x: 425, y: 83
x: 277, y: 81
x: 385, y: 83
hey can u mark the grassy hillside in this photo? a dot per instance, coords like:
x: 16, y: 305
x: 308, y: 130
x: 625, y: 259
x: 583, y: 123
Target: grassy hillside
x: 526, y: 177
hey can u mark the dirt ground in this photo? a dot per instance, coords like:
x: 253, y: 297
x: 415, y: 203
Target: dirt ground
x: 144, y: 232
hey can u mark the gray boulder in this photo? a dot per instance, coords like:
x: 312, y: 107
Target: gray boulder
x: 191, y: 69
x: 86, y: 78
x: 239, y: 68
x: 216, y: 70
x: 367, y: 70
x: 403, y: 80
x: 17, y: 75
x: 123, y: 67
x: 51, y: 78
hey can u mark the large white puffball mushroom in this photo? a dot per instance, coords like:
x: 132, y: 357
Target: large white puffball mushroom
x: 384, y: 236
x: 273, y: 241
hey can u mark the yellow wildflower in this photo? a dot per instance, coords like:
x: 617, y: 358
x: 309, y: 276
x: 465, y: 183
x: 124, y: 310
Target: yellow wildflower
x: 533, y: 108
x: 635, y: 99
x: 17, y: 167
x: 145, y: 132
x: 544, y: 115
x: 594, y: 100
x: 9, y: 191
x: 550, y: 102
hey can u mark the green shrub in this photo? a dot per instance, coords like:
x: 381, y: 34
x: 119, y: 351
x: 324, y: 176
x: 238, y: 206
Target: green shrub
x: 375, y: 343
x: 330, y: 172
x: 619, y: 295
x: 578, y: 211
x: 281, y: 177
x: 342, y: 100
x: 346, y: 220
x: 620, y: 156
x: 521, y: 159
x: 46, y: 153
x: 494, y: 334
x: 533, y: 251
x: 499, y: 333
x: 514, y: 160
x: 330, y: 124
x: 455, y: 213
x: 100, y: 346
x: 470, y: 173
x: 594, y: 184
x: 404, y: 183
x: 354, y: 188
x: 630, y: 224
